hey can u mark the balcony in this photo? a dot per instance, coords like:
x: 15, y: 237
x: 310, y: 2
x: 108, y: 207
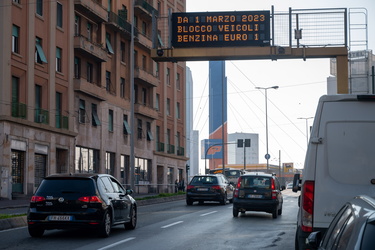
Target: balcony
x: 145, y: 111
x: 144, y: 9
x: 88, y: 88
x: 143, y: 41
x: 90, y: 49
x: 160, y: 147
x: 170, y: 149
x: 145, y: 77
x: 180, y: 151
x: 91, y: 9
x: 119, y: 22
x: 19, y: 110
x: 41, y: 116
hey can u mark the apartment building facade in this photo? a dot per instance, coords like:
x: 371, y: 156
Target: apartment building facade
x: 65, y: 107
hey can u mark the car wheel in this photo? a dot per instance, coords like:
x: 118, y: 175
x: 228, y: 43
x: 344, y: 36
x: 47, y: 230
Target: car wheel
x: 274, y: 213
x: 235, y: 212
x: 189, y: 202
x: 224, y: 200
x: 280, y: 211
x: 105, y: 227
x: 36, y: 232
x: 133, y: 219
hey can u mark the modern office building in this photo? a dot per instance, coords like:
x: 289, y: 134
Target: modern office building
x: 66, y: 78
x: 246, y: 153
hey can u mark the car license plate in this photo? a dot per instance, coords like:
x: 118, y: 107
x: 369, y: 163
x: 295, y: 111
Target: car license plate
x: 255, y: 196
x: 60, y: 218
x: 202, y: 189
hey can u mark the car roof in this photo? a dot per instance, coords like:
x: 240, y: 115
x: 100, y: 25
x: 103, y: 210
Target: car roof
x: 258, y: 174
x: 76, y: 175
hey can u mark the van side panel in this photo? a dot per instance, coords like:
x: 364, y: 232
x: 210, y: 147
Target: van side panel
x: 345, y: 160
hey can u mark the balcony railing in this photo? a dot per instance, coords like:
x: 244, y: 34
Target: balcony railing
x: 143, y: 7
x: 41, y: 116
x: 92, y: 9
x: 180, y: 151
x: 145, y: 110
x: 19, y: 110
x: 145, y: 77
x: 160, y: 147
x: 93, y: 50
x: 62, y: 121
x: 120, y: 23
x: 170, y: 149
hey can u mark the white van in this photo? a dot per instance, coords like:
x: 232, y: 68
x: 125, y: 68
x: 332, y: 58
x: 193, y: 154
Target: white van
x: 340, y: 161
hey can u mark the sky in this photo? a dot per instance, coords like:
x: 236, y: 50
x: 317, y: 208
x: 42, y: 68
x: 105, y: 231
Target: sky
x: 290, y: 107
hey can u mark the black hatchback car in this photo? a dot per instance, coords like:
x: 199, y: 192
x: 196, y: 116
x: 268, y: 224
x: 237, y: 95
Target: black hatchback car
x: 258, y: 192
x: 212, y: 187
x: 93, y: 201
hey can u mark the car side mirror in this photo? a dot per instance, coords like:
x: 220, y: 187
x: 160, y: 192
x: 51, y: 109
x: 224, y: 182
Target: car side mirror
x: 314, y: 239
x: 296, y: 183
x: 129, y: 191
x: 282, y: 188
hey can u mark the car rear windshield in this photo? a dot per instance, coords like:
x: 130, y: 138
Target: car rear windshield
x: 255, y: 182
x: 204, y: 180
x: 67, y: 186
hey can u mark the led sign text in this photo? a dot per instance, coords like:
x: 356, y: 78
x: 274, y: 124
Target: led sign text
x: 218, y: 29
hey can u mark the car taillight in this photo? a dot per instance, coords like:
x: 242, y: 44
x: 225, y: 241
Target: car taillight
x: 274, y: 192
x: 216, y: 187
x: 37, y: 198
x: 307, y: 201
x: 90, y: 199
x: 237, y: 187
x: 190, y: 187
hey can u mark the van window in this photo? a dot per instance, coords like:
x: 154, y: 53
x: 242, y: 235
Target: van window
x: 255, y: 182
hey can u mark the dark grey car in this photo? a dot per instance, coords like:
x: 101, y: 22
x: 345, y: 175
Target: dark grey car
x: 212, y: 187
x: 352, y: 228
x: 258, y: 192
x: 90, y: 201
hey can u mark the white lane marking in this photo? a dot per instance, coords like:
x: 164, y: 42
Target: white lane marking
x: 11, y: 229
x: 178, y: 222
x: 209, y: 213
x: 117, y: 243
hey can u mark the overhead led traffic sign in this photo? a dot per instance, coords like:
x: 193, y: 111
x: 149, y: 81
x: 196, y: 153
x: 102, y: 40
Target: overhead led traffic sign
x: 220, y: 29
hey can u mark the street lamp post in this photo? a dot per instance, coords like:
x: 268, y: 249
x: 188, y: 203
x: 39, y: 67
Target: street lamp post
x: 307, y: 127
x: 267, y: 156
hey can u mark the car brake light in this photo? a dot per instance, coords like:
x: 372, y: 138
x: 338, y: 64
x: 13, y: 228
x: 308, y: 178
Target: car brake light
x: 190, y: 187
x: 90, y: 199
x: 37, y: 199
x: 274, y: 192
x: 307, y: 201
x: 237, y: 187
x: 216, y: 187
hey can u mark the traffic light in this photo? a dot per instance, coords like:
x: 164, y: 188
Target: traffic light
x: 247, y: 143
x: 239, y: 143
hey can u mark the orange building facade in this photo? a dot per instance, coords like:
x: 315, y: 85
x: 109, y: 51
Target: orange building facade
x: 65, y: 94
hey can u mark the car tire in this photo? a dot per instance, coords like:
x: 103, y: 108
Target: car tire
x: 274, y: 213
x: 36, y: 232
x: 133, y: 219
x: 105, y: 227
x: 189, y: 202
x: 224, y: 200
x: 280, y: 211
x: 235, y: 212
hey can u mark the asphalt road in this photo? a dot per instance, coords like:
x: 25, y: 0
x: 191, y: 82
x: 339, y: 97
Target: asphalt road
x: 173, y: 225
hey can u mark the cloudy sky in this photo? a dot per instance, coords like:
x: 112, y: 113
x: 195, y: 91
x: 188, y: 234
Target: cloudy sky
x: 300, y: 82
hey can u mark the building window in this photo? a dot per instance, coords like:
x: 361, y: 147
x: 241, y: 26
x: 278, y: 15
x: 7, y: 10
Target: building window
x: 122, y: 47
x: 39, y: 53
x: 77, y: 67
x: 110, y: 120
x: 87, y: 160
x: 135, y: 94
x: 39, y: 7
x: 168, y: 106
x: 149, y: 133
x: 108, y: 81
x: 109, y: 163
x: 15, y: 39
x: 82, y: 111
x: 94, y: 115
x: 144, y: 62
x: 58, y: 59
x: 89, y: 31
x: 139, y: 129
x: 77, y: 25
x: 157, y: 104
x: 144, y: 28
x: 178, y: 110
x: 108, y: 43
x: 168, y: 77
x: 178, y: 84
x: 58, y: 122
x: 135, y: 58
x: 157, y: 69
x: 59, y: 15
x: 89, y: 72
x: 142, y: 169
x: 144, y: 96
x: 122, y: 87
x: 17, y: 1
x: 126, y: 127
